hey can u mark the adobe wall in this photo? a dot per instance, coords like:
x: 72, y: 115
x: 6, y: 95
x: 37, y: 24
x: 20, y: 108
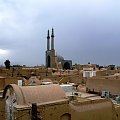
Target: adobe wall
x: 53, y: 112
x: 95, y: 111
x: 48, y: 111
x: 99, y: 84
x: 2, y: 83
x: 72, y: 79
x: 12, y: 80
x: 118, y: 112
x: 104, y: 114
x: 76, y: 79
x: 2, y: 109
x: 106, y: 72
x: 23, y: 114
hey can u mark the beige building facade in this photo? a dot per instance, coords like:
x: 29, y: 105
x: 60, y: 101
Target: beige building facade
x: 53, y: 104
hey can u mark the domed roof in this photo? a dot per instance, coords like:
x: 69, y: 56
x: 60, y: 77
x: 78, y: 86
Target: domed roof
x: 35, y: 94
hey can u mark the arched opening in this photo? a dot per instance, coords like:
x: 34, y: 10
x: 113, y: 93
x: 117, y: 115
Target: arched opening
x: 66, y: 65
x: 65, y: 116
x: 48, y: 61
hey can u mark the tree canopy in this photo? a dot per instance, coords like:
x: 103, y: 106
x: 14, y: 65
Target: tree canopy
x: 7, y: 64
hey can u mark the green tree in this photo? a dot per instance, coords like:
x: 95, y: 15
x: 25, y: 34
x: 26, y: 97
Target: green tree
x: 7, y: 64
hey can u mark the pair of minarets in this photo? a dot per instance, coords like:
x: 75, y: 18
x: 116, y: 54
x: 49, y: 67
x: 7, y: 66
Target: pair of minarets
x: 52, y: 40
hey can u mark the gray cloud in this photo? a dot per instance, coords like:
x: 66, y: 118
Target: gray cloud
x: 84, y: 30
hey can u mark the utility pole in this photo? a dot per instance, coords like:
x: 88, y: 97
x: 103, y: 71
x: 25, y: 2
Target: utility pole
x: 34, y: 112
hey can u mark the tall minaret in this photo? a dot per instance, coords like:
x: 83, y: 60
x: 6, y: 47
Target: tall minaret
x: 52, y: 39
x: 48, y: 41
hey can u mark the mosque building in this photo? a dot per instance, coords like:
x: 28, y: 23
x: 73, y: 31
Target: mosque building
x: 51, y: 58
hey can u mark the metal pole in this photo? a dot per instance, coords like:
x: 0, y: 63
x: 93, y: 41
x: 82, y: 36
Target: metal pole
x: 34, y: 111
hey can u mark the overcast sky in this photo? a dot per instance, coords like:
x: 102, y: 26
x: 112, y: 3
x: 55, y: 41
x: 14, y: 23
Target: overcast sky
x: 85, y: 30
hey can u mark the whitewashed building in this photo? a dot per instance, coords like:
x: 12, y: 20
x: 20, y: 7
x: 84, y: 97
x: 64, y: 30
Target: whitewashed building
x: 89, y: 72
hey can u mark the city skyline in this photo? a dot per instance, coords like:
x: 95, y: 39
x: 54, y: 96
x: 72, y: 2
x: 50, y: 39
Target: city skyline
x: 85, y: 31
